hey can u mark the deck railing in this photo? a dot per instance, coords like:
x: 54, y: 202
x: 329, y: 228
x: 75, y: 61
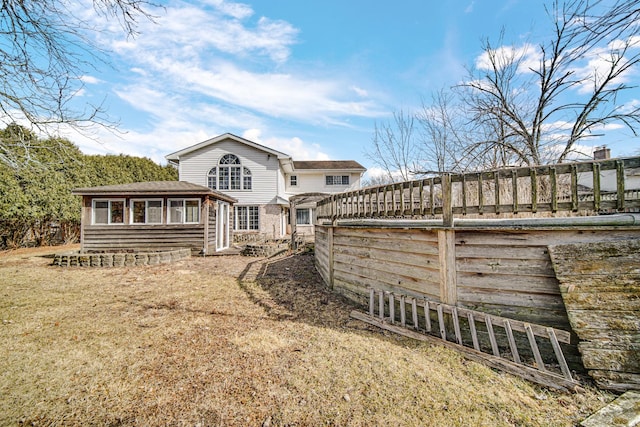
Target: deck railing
x: 550, y: 188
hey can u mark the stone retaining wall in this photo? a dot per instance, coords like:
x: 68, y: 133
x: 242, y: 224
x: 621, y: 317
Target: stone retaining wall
x: 119, y: 259
x: 264, y: 250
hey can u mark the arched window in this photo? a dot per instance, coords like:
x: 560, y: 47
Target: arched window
x: 229, y: 175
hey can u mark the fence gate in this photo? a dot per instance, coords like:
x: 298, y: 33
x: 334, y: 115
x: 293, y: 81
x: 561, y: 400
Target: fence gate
x: 467, y: 331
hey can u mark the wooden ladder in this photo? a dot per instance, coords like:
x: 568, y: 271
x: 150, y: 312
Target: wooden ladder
x: 421, y: 319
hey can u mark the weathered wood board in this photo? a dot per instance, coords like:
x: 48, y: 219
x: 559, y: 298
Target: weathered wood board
x: 600, y: 286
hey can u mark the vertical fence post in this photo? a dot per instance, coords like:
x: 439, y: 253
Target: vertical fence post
x: 330, y: 249
x: 447, y: 246
x: 447, y: 211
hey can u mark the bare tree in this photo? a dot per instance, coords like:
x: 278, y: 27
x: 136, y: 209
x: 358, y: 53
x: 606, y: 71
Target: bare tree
x: 395, y: 148
x: 544, y: 100
x: 44, y: 52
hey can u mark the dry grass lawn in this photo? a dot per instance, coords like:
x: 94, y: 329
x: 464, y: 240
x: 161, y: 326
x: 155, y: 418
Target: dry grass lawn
x: 232, y: 341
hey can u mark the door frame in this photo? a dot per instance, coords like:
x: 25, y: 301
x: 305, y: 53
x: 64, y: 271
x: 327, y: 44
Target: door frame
x: 222, y: 226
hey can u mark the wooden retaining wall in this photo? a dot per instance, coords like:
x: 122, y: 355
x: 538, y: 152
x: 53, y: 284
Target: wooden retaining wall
x: 496, y: 270
x: 143, y: 237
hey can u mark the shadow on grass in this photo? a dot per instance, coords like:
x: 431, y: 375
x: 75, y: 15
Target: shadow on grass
x: 289, y: 287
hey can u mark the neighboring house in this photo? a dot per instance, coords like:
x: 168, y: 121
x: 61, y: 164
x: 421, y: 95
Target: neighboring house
x: 262, y: 180
x: 608, y: 178
x: 156, y: 215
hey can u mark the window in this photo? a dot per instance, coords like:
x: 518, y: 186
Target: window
x: 246, y: 179
x: 183, y: 211
x: 293, y: 180
x: 229, y: 175
x: 246, y: 218
x: 146, y: 211
x: 303, y: 216
x: 108, y: 211
x: 337, y: 180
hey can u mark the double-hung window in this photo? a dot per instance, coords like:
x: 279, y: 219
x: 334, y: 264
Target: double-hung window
x: 246, y: 218
x: 146, y: 211
x: 183, y: 211
x: 337, y: 179
x: 108, y: 212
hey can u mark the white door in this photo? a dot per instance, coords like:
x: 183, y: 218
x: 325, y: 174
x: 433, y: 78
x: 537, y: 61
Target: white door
x: 222, y: 232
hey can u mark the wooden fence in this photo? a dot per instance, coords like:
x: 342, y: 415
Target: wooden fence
x: 552, y: 188
x: 409, y: 238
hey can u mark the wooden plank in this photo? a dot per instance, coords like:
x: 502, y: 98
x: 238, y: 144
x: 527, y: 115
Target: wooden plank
x: 427, y: 267
x: 534, y: 347
x: 443, y: 330
x: 604, y: 356
x: 501, y: 252
x: 474, y: 333
x: 559, y: 355
x: 534, y: 190
x: 518, y: 267
x: 403, y: 311
x: 596, y: 187
x: 553, y: 183
x: 405, y: 260
x: 492, y: 336
x: 537, y: 287
x: 372, y: 301
x: 360, y: 283
x: 512, y: 342
x: 620, y: 184
x: 414, y: 313
x: 456, y: 325
x: 514, y: 190
x: 447, y: 258
x: 546, y: 379
x: 596, y: 258
x: 542, y: 238
x: 427, y: 316
x: 599, y: 285
x: 617, y: 381
x: 425, y: 282
x: 480, y: 194
x: 392, y: 307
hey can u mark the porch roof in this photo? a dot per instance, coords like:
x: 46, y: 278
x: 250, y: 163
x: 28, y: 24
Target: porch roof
x: 154, y: 188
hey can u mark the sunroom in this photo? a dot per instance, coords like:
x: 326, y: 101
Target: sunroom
x: 155, y: 216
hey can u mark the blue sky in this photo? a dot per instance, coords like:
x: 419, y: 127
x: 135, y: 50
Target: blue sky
x: 309, y: 78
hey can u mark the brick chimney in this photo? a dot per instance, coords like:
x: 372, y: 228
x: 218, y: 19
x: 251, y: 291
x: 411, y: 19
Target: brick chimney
x: 602, y: 153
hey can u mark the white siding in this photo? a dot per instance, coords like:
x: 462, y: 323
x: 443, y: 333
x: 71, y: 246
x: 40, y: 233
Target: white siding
x: 314, y: 182
x: 264, y: 168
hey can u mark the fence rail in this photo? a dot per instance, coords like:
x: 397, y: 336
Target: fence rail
x: 571, y: 187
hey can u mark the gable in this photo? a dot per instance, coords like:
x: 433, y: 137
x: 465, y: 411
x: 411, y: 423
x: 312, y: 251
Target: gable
x: 175, y: 157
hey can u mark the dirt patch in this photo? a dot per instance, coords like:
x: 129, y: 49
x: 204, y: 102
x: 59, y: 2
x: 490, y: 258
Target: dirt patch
x: 232, y: 341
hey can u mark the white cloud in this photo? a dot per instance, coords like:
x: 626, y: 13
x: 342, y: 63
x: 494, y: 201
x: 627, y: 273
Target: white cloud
x: 527, y: 56
x: 359, y: 91
x: 90, y: 80
x: 295, y: 147
x: 236, y: 10
x: 187, y: 31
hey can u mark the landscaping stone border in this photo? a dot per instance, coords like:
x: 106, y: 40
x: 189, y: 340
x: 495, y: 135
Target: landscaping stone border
x: 128, y: 259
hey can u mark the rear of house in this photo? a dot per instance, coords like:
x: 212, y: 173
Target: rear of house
x: 262, y: 180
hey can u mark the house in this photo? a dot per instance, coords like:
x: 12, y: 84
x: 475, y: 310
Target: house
x: 608, y: 180
x: 263, y: 180
x: 160, y: 215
